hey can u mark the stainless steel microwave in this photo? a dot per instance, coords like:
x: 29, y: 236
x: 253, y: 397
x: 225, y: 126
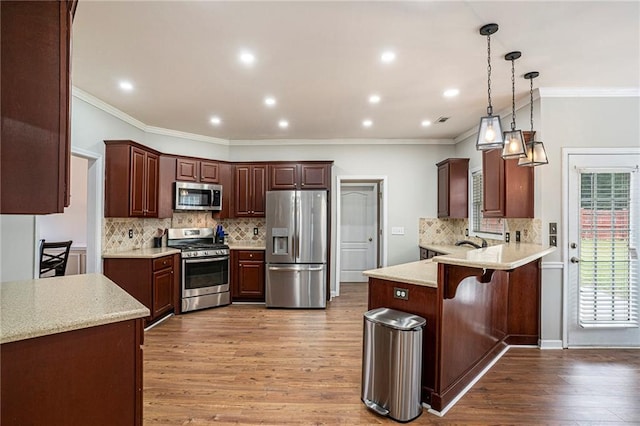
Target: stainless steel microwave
x: 197, y: 196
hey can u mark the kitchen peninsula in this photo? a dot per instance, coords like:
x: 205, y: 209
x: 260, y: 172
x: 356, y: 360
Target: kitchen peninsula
x: 476, y: 303
x: 71, y: 352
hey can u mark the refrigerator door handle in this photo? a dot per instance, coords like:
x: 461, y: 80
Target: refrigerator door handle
x: 298, y: 213
x: 287, y: 268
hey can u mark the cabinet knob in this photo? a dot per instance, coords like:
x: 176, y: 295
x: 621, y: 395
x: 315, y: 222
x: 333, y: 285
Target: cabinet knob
x: 251, y: 255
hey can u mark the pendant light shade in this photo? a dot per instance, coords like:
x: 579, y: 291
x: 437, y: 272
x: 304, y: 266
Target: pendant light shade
x: 490, y: 130
x: 535, y: 152
x: 513, y: 139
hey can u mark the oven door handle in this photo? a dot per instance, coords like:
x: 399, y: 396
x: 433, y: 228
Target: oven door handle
x: 208, y: 259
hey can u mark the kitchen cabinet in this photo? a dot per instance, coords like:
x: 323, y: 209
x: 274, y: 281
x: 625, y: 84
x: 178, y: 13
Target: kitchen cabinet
x: 152, y: 282
x: 35, y: 98
x: 225, y: 172
x: 248, y: 275
x: 131, y: 180
x: 250, y: 189
x: 196, y: 170
x: 453, y: 188
x: 507, y: 187
x: 302, y: 175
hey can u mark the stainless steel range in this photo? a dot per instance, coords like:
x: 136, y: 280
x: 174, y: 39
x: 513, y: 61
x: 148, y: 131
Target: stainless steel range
x: 205, y: 268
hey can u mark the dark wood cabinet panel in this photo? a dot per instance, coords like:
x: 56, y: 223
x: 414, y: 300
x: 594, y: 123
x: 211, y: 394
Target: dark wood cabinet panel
x: 226, y: 179
x: 507, y: 187
x: 152, y: 282
x: 302, y: 175
x: 35, y: 98
x: 87, y: 376
x: 248, y: 276
x: 250, y: 190
x: 166, y: 177
x: 131, y: 180
x: 196, y: 170
x: 453, y: 188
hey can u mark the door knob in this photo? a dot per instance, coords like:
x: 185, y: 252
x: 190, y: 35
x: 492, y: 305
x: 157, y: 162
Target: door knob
x: 575, y: 260
x: 574, y: 245
x: 370, y: 239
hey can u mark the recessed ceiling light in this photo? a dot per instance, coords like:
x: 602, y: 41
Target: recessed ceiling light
x: 450, y: 93
x: 127, y: 86
x: 247, y: 57
x: 374, y: 99
x: 425, y: 123
x: 215, y: 120
x: 388, y: 56
x: 270, y: 101
x: 283, y: 124
x: 367, y: 123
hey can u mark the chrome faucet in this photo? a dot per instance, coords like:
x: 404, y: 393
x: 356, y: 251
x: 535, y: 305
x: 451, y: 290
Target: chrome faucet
x: 472, y: 244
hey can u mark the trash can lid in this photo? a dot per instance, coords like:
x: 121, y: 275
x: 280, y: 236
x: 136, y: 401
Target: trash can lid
x: 395, y: 319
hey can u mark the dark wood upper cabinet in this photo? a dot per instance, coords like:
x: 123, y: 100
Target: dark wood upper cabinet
x: 35, y: 96
x: 302, y: 175
x: 225, y: 174
x: 453, y: 188
x: 251, y: 187
x: 507, y: 187
x: 131, y: 180
x: 197, y: 170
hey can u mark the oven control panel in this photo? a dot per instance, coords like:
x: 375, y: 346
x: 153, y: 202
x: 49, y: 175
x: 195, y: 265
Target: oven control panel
x: 205, y: 253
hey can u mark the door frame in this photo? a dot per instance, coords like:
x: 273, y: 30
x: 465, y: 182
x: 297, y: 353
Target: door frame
x: 566, y: 153
x: 382, y: 211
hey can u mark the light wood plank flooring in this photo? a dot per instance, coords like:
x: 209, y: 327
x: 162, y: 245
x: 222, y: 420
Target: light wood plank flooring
x: 244, y: 364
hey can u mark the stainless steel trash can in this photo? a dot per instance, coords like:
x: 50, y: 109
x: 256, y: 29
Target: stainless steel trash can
x: 392, y: 363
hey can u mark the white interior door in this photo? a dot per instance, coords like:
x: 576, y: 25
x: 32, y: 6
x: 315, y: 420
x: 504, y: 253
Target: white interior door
x: 358, y: 230
x: 603, y: 287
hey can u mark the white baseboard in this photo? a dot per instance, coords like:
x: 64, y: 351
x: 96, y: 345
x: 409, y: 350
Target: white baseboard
x: 551, y: 344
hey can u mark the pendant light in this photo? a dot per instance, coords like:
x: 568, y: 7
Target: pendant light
x: 490, y: 130
x: 535, y: 154
x: 513, y: 140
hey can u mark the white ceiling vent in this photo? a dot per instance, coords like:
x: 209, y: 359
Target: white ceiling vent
x: 442, y: 119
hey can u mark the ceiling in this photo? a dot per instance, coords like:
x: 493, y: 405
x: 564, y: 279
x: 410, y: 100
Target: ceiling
x: 321, y: 61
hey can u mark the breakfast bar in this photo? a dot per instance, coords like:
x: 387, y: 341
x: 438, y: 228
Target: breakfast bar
x: 476, y: 304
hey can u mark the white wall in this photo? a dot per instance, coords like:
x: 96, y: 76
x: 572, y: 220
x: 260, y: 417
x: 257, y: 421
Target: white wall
x: 17, y: 247
x: 72, y: 224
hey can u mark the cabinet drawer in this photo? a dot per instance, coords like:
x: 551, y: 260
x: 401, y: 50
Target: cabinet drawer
x: 162, y: 262
x: 257, y: 255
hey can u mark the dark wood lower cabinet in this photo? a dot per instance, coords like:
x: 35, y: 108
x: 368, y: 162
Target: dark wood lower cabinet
x: 471, y: 317
x: 248, y: 275
x: 153, y: 282
x: 91, y: 376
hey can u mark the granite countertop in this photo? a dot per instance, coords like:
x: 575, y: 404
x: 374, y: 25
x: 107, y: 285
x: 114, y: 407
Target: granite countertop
x: 446, y: 248
x: 249, y: 245
x: 500, y: 257
x: 41, y: 307
x: 144, y: 253
x: 422, y: 272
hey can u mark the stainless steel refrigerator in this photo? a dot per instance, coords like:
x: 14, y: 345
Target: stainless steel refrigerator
x: 296, y: 249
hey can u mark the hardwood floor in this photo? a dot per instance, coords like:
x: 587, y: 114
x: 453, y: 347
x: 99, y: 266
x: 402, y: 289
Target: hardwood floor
x: 244, y: 364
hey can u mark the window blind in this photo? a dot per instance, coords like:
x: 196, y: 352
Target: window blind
x: 608, y: 287
x: 480, y: 223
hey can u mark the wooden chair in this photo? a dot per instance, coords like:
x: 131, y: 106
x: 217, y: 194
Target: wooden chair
x: 54, y: 257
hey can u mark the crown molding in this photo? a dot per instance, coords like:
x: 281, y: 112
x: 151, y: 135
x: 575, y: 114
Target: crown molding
x: 100, y: 104
x: 589, y: 92
x: 307, y: 142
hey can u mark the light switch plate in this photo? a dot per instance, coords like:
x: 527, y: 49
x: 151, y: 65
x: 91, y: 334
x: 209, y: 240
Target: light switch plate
x: 397, y: 230
x: 401, y: 293
x: 553, y: 240
x: 553, y: 228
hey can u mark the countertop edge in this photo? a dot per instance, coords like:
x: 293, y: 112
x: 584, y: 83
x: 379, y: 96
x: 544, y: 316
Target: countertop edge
x: 502, y: 266
x: 144, y: 253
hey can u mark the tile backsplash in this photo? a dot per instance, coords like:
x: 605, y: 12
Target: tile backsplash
x: 115, y: 231
x: 448, y: 231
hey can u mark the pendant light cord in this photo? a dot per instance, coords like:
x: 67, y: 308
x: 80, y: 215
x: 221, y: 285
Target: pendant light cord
x: 513, y: 95
x: 489, y: 108
x: 531, y: 94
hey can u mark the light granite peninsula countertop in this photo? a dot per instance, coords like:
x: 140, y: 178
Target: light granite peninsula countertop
x: 500, y: 257
x: 143, y: 253
x: 46, y: 306
x: 422, y: 272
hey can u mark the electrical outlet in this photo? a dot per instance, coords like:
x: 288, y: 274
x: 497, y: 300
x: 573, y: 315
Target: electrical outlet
x: 507, y: 237
x: 553, y: 228
x: 401, y: 293
x: 517, y: 236
x: 130, y: 233
x: 466, y: 232
x: 553, y: 240
x: 255, y: 231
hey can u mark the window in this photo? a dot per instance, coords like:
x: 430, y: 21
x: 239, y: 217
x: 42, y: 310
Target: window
x: 480, y: 226
x: 608, y: 259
